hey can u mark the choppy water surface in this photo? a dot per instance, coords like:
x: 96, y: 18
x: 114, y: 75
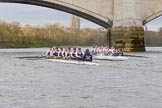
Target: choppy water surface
x: 37, y: 83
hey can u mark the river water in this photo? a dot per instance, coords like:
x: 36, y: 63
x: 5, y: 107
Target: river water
x: 38, y: 83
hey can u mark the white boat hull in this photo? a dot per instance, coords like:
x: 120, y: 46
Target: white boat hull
x: 73, y: 62
x: 112, y: 58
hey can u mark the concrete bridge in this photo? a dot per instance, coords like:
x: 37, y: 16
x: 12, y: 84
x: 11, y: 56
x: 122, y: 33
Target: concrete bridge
x: 123, y: 19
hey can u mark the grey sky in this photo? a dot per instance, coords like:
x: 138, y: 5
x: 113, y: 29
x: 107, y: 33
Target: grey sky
x: 35, y: 15
x: 155, y: 24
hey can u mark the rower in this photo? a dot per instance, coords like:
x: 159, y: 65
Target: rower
x: 49, y: 52
x: 87, y: 56
x: 61, y: 52
x: 56, y: 53
x: 120, y: 51
x: 67, y: 53
x: 94, y: 50
x: 73, y: 54
x: 79, y: 54
x: 114, y: 52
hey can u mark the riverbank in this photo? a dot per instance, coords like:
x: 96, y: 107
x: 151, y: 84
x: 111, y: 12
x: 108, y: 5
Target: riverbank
x: 23, y: 45
x: 4, y: 45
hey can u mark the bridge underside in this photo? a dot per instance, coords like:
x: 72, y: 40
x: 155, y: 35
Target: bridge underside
x: 152, y: 17
x: 63, y: 8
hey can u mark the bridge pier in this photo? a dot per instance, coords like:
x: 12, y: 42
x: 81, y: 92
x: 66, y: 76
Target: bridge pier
x: 127, y: 30
x: 131, y: 39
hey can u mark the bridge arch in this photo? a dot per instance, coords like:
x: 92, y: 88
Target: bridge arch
x: 152, y: 17
x: 62, y: 6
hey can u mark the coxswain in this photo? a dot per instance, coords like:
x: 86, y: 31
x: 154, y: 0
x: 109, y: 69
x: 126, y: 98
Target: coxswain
x: 87, y: 56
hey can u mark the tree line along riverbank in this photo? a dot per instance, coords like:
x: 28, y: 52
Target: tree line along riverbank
x: 14, y: 35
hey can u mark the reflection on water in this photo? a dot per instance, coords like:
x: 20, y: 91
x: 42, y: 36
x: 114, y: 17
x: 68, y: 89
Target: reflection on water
x: 37, y: 83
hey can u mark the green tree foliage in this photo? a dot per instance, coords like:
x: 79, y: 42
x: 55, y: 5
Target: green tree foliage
x: 15, y: 35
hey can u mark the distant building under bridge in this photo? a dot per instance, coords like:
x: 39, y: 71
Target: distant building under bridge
x: 75, y: 23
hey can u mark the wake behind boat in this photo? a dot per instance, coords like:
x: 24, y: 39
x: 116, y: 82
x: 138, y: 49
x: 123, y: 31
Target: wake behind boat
x: 73, y: 62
